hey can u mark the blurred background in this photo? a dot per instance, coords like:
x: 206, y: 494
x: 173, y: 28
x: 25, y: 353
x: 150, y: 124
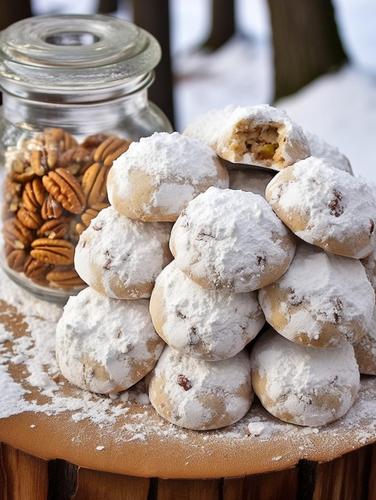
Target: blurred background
x: 314, y: 58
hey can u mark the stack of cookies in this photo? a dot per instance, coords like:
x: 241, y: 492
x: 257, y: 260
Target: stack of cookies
x: 293, y: 248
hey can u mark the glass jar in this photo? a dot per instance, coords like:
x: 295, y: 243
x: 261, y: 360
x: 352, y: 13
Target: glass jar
x: 74, y: 97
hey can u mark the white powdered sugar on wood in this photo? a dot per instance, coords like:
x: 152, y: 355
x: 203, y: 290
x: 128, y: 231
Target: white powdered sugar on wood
x: 335, y: 203
x: 230, y: 239
x: 124, y: 248
x: 213, y: 324
x: 331, y: 290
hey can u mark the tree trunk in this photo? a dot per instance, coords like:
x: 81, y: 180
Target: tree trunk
x: 155, y: 18
x: 222, y: 23
x: 306, y: 42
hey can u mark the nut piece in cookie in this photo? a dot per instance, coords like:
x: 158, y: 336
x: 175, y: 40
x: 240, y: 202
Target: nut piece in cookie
x: 157, y: 177
x: 120, y: 257
x: 105, y: 345
x: 198, y: 394
x: 232, y: 240
x: 322, y: 300
x: 254, y: 135
x: 301, y: 385
x: 326, y: 207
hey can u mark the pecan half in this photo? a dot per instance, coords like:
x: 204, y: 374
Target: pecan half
x: 94, y: 184
x: 89, y: 215
x: 12, y: 196
x: 76, y: 160
x: 93, y: 141
x: 32, y: 220
x: 16, y: 259
x: 54, y: 228
x: 51, y: 209
x: 21, y: 171
x: 66, y: 189
x: 16, y: 234
x: 110, y: 149
x: 63, y: 277
x: 50, y: 251
x: 36, y: 270
x: 34, y: 195
x: 48, y: 147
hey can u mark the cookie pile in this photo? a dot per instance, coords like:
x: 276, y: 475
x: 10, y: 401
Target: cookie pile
x: 296, y: 248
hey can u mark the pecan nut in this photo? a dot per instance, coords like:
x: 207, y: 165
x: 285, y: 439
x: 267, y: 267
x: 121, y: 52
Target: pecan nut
x: 51, y: 209
x: 54, y: 228
x: 76, y: 160
x: 53, y: 251
x: 12, y: 196
x: 94, y: 184
x: 62, y: 277
x: 21, y: 171
x: 66, y: 189
x: 34, y: 195
x: 16, y: 259
x: 47, y: 148
x: 31, y: 220
x: 16, y: 234
x: 36, y: 270
x: 110, y: 149
x: 93, y: 141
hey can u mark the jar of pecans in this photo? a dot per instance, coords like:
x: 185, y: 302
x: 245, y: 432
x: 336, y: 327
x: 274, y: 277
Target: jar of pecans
x: 74, y: 97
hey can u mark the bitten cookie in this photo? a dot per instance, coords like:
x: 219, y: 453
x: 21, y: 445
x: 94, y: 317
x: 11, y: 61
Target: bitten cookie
x: 365, y: 350
x: 249, y: 179
x: 205, y: 324
x: 301, y: 385
x: 198, y: 394
x: 231, y: 239
x: 253, y: 135
x: 156, y: 178
x: 322, y: 149
x: 321, y: 301
x: 120, y: 257
x: 105, y: 345
x: 326, y: 207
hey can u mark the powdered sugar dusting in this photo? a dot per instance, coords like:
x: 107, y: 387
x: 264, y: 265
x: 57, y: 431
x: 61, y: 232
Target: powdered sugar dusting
x: 231, y: 239
x: 321, y: 149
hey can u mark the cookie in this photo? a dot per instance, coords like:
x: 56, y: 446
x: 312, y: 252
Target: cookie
x: 105, y: 345
x: 250, y: 179
x: 198, y: 394
x: 326, y: 207
x: 206, y: 324
x: 321, y: 149
x: 232, y: 240
x: 120, y: 257
x: 365, y: 350
x: 157, y: 177
x: 301, y: 385
x: 252, y: 135
x: 322, y: 300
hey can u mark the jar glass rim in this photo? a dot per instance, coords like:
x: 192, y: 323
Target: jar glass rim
x: 68, y: 52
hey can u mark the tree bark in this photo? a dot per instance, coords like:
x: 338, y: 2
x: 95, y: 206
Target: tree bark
x: 306, y: 42
x: 155, y: 18
x: 222, y: 23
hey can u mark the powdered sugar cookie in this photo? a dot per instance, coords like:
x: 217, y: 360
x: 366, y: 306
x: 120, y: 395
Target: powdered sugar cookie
x: 106, y: 345
x: 321, y: 301
x: 231, y: 239
x: 120, y: 257
x: 205, y: 324
x: 326, y: 207
x: 365, y: 350
x: 198, y: 394
x: 301, y: 385
x: 249, y: 179
x: 156, y: 178
x: 369, y: 264
x: 253, y: 135
x: 322, y: 149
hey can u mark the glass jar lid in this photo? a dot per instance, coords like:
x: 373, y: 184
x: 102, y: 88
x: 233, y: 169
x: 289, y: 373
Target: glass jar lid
x: 75, y: 53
